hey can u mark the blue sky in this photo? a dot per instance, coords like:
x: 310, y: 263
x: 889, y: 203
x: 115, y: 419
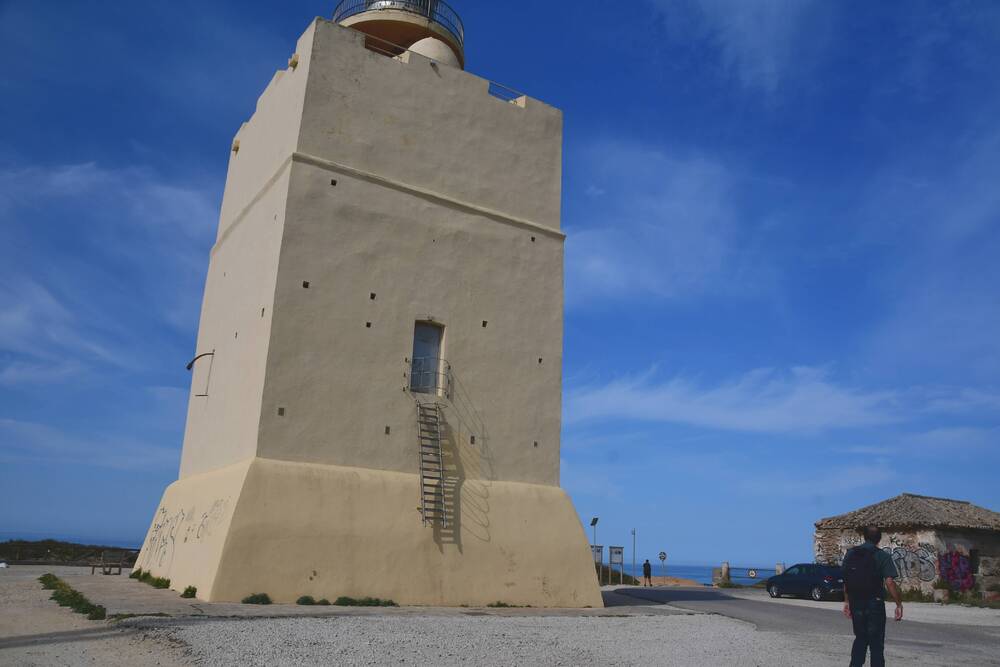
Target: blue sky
x: 782, y: 271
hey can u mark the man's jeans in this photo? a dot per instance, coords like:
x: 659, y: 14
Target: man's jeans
x: 869, y: 632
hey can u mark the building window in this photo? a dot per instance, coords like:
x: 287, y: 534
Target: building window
x: 429, y: 372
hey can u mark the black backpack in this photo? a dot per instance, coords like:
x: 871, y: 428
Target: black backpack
x: 861, y: 575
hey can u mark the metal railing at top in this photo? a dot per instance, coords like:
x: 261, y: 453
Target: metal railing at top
x: 392, y: 50
x: 435, y: 10
x: 430, y: 375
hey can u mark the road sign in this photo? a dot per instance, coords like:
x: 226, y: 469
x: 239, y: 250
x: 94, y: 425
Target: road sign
x: 663, y: 555
x: 752, y: 574
x: 616, y: 555
x: 598, y: 551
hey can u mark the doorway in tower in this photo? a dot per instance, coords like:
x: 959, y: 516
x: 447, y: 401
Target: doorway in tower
x: 429, y: 373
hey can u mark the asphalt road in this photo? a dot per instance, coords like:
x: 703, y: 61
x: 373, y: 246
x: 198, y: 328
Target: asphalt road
x: 979, y: 644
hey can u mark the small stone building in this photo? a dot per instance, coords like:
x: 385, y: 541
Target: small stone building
x: 928, y: 539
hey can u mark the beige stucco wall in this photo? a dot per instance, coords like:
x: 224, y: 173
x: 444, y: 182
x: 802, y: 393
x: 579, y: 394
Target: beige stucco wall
x: 431, y: 127
x: 326, y: 531
x: 186, y: 539
x: 341, y: 383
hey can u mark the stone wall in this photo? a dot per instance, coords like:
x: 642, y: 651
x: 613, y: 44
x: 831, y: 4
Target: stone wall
x: 965, y: 559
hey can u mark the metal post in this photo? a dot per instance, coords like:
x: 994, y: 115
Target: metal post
x: 633, y: 553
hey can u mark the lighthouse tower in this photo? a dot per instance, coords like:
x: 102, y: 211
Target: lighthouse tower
x: 376, y: 389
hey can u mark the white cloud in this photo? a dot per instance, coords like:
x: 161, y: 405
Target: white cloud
x: 662, y: 226
x: 802, y: 400
x: 826, y: 482
x: 759, y: 41
x: 30, y: 441
x: 941, y: 218
x: 124, y: 255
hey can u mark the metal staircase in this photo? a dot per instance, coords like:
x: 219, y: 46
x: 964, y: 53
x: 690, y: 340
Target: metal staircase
x: 429, y: 423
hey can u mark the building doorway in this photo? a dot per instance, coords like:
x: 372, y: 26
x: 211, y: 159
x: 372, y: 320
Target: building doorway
x: 428, y: 371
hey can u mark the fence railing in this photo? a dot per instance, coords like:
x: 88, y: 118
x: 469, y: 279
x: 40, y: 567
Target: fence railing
x: 436, y: 10
x: 430, y: 375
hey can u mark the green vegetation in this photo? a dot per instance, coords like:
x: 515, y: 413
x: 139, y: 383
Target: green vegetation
x: 915, y: 595
x: 725, y: 583
x: 306, y: 600
x: 323, y: 602
x: 155, y: 582
x: 57, y: 552
x: 67, y: 596
x: 941, y: 585
x: 993, y: 588
x: 257, y: 598
x: 504, y: 605
x: 344, y: 601
x: 189, y: 592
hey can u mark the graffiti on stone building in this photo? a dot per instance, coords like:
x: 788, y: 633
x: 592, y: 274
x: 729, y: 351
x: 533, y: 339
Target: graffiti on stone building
x: 956, y: 570
x: 914, y: 562
x: 171, y: 528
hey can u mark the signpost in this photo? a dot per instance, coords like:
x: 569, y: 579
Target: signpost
x: 663, y: 563
x: 598, y: 551
x: 616, y: 556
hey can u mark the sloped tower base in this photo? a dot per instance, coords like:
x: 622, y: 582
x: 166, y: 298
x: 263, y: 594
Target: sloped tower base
x: 292, y: 529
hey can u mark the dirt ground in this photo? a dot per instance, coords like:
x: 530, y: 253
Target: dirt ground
x: 36, y: 631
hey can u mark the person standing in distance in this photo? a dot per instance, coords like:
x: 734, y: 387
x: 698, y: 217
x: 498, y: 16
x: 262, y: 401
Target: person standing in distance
x: 647, y: 574
x: 868, y: 571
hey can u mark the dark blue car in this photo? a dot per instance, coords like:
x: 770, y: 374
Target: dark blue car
x: 819, y: 582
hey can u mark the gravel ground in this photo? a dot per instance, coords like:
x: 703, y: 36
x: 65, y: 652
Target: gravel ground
x: 487, y: 640
x: 34, y: 631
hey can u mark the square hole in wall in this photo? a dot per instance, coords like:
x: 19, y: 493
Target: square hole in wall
x: 368, y: 325
x: 532, y: 239
x: 539, y: 360
x: 371, y: 296
x: 387, y: 430
x: 305, y: 284
x: 536, y: 443
x: 236, y: 335
x: 333, y: 181
x: 262, y: 312
x: 472, y: 440
x: 281, y: 412
x: 485, y: 323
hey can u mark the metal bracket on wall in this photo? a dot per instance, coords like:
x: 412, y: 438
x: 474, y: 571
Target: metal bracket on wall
x: 190, y: 365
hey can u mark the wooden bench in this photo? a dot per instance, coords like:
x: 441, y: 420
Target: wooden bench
x: 110, y: 560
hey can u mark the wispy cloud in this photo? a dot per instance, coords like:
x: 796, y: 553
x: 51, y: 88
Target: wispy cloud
x: 658, y: 226
x: 941, y: 218
x: 125, y: 259
x: 800, y: 400
x: 758, y: 41
x: 32, y: 442
x: 831, y: 481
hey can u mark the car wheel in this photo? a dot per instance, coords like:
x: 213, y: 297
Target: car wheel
x: 817, y: 593
x: 772, y: 590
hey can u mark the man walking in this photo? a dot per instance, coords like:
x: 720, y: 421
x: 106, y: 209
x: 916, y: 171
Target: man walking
x: 868, y: 571
x: 647, y: 574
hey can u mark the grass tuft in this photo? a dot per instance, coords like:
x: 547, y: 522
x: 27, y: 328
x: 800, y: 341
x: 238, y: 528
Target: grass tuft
x: 257, y: 598
x: 189, y: 592
x: 67, y: 596
x: 323, y: 602
x: 306, y: 600
x: 345, y: 601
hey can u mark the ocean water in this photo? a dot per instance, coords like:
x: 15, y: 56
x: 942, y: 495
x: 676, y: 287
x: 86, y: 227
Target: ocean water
x: 700, y: 573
